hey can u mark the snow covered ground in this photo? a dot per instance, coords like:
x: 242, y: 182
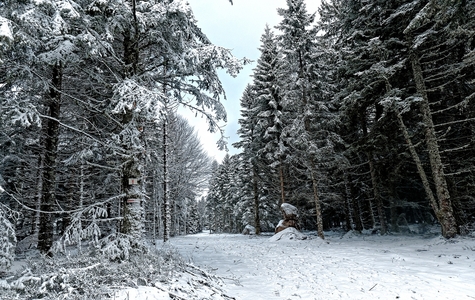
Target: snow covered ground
x: 346, y: 266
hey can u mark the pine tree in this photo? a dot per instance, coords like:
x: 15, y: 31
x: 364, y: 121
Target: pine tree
x: 436, y: 27
x: 47, y: 44
x: 309, y: 134
x: 250, y: 143
x: 94, y: 60
x: 270, y: 115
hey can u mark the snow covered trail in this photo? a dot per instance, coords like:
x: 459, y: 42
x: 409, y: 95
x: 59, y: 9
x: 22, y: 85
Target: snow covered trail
x: 349, y: 267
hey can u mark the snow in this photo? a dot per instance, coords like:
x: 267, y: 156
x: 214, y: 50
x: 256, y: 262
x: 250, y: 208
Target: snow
x: 143, y: 292
x: 1, y: 190
x: 344, y: 266
x: 289, y: 209
x: 249, y: 229
x: 288, y: 234
x: 5, y: 29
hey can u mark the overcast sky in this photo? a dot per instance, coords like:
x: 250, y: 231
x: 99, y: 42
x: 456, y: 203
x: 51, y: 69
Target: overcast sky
x: 237, y: 27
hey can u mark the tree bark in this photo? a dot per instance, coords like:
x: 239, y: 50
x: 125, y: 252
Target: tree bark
x: 316, y: 199
x: 348, y: 207
x: 282, y: 185
x: 357, y: 217
x: 132, y: 205
x: 48, y: 194
x: 445, y: 213
x: 420, y: 168
x: 166, y: 199
x: 257, y: 220
x: 377, y: 195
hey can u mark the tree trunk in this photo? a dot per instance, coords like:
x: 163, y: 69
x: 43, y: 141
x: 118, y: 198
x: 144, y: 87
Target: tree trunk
x: 393, y: 209
x: 374, y: 180
x: 132, y: 209
x: 348, y: 209
x: 35, y: 226
x: 281, y: 181
x: 316, y: 199
x: 445, y: 213
x: 420, y: 169
x: 357, y: 215
x: 377, y: 195
x: 81, y: 200
x: 48, y: 195
x: 166, y: 193
x: 257, y: 221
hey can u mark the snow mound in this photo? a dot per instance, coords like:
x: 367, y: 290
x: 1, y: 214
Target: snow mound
x: 249, y: 229
x: 288, y: 234
x: 143, y: 292
x: 350, y: 235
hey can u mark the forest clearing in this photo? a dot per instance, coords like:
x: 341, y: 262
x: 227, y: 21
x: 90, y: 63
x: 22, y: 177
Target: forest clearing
x: 344, y: 266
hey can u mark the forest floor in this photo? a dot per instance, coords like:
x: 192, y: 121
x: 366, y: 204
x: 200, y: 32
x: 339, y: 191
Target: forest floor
x: 343, y: 266
x: 249, y: 267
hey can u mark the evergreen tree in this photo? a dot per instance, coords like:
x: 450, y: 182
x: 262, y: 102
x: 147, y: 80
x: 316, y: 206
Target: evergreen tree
x: 250, y: 143
x: 270, y: 115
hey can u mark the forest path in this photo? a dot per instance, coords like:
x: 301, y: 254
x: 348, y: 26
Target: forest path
x: 352, y: 267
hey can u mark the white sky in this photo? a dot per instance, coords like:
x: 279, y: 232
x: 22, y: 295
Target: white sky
x: 238, y: 27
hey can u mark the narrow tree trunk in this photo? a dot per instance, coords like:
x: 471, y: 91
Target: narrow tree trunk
x: 281, y: 179
x: 445, y: 213
x: 154, y: 203
x: 394, y: 215
x: 348, y: 207
x: 166, y: 193
x: 420, y: 169
x: 257, y: 220
x: 81, y: 200
x: 316, y: 199
x: 48, y: 195
x: 36, y: 217
x: 357, y: 218
x: 377, y: 195
x: 374, y: 181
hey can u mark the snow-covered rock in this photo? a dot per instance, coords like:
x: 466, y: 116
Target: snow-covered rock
x: 287, y: 235
x: 249, y: 229
x: 291, y: 217
x: 290, y: 212
x: 284, y: 224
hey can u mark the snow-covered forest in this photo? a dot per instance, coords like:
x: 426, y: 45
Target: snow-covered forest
x: 360, y: 116
x: 363, y: 121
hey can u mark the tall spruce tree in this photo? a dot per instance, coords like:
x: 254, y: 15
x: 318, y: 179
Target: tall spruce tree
x: 250, y: 143
x: 435, y: 36
x: 269, y: 100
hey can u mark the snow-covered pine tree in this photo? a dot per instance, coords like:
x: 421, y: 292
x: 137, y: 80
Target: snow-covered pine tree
x: 113, y: 95
x: 370, y: 58
x: 440, y: 37
x: 43, y: 54
x: 7, y: 235
x: 212, y: 199
x: 181, y: 52
x: 250, y: 143
x: 270, y: 113
x: 377, y: 87
x: 309, y: 133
